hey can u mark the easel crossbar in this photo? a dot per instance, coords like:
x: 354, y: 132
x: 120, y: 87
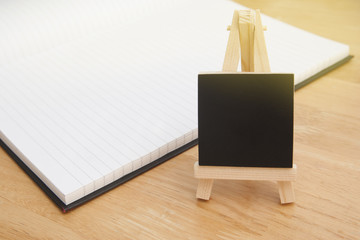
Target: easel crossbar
x: 245, y: 173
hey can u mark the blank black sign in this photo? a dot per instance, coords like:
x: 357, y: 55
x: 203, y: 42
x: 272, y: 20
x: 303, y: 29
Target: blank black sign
x: 246, y: 119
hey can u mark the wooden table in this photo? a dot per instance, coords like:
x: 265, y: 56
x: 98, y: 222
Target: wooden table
x: 161, y: 203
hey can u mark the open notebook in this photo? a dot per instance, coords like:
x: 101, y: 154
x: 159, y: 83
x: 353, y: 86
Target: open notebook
x: 93, y: 93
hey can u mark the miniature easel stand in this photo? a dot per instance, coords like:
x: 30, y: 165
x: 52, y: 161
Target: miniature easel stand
x: 283, y: 176
x: 246, y: 34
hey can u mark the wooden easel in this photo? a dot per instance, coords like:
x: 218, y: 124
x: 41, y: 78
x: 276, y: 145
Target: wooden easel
x: 246, y: 34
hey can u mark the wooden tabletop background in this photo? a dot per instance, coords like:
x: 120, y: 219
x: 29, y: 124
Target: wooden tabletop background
x: 161, y: 203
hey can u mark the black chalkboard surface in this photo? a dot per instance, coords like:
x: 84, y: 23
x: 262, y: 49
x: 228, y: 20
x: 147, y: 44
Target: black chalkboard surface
x: 246, y: 119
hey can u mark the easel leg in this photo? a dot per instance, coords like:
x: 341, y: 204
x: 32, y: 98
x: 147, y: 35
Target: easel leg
x: 204, y: 189
x: 286, y: 192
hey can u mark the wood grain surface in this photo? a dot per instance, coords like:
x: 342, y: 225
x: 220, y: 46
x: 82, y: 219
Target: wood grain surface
x: 161, y: 203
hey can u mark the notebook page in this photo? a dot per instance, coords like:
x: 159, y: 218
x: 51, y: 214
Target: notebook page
x: 94, y: 113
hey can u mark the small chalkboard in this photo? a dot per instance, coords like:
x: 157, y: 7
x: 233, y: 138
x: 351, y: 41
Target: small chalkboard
x: 246, y: 119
